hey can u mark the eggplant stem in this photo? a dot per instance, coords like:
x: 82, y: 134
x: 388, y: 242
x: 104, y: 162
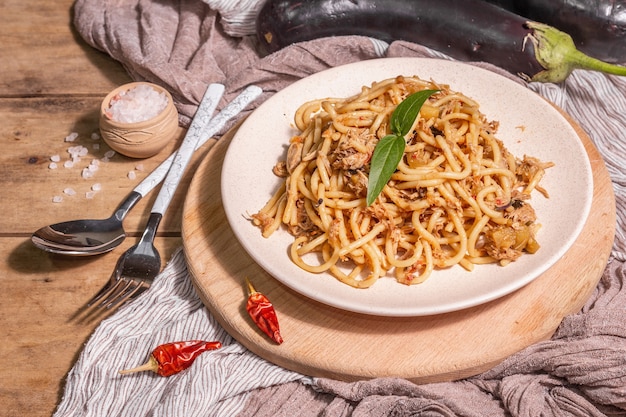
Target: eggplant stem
x: 556, y: 52
x: 586, y: 62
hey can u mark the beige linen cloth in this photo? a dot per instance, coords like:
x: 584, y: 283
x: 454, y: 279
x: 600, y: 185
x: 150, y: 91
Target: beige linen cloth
x: 183, y: 45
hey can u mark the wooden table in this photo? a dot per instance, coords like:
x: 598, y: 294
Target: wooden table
x: 51, y: 84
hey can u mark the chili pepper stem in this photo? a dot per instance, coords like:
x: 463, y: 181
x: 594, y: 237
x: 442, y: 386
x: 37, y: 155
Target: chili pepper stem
x: 151, y: 365
x: 557, y: 53
x: 251, y: 289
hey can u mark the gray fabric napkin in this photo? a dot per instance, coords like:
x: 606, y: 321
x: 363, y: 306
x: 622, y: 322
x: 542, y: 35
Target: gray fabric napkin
x: 183, y: 45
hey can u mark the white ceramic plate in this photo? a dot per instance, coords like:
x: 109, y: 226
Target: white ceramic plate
x: 248, y: 182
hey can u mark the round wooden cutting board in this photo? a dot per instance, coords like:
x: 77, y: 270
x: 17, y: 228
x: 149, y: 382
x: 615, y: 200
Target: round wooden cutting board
x: 328, y: 342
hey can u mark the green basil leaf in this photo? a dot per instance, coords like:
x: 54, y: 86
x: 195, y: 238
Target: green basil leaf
x: 390, y: 149
x: 387, y: 154
x: 405, y: 113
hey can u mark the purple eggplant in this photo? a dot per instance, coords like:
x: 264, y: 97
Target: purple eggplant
x: 467, y: 30
x: 598, y: 27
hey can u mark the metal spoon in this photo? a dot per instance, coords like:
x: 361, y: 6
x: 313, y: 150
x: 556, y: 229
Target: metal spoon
x: 97, y: 236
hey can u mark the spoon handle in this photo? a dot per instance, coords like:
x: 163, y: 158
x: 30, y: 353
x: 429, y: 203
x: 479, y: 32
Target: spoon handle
x: 215, y: 125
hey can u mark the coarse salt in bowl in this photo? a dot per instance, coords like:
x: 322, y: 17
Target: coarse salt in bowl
x: 138, y: 119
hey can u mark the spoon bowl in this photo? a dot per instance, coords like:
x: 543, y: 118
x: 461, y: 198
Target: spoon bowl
x: 86, y: 237
x: 80, y: 237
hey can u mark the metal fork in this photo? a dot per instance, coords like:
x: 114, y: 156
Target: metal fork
x: 134, y: 272
x: 139, y: 265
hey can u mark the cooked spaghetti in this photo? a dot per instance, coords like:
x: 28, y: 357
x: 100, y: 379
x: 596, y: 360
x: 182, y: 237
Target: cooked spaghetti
x: 458, y: 197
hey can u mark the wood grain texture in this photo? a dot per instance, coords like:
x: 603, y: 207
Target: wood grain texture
x: 328, y: 342
x: 42, y: 322
x: 51, y: 84
x: 42, y: 54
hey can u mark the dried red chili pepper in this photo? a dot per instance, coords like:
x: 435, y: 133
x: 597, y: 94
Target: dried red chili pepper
x: 263, y: 314
x: 171, y: 358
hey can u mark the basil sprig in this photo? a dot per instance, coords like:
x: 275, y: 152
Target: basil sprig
x: 389, y: 150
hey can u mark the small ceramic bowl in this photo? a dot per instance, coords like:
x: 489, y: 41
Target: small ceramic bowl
x: 139, y: 139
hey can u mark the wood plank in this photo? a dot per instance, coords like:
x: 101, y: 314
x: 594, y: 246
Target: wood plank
x: 43, y: 54
x: 33, y: 130
x: 41, y: 342
x: 51, y: 84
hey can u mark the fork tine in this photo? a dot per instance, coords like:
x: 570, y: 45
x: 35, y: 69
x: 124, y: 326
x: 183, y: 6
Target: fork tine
x: 134, y: 272
x: 111, y: 285
x: 130, y: 292
x: 121, y: 287
x: 103, y: 295
x: 104, y: 292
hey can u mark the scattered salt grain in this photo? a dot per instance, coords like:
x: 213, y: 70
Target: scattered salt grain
x: 86, y: 173
x: 76, y: 152
x: 132, y: 175
x: 71, y: 137
x: 137, y: 104
x: 139, y: 167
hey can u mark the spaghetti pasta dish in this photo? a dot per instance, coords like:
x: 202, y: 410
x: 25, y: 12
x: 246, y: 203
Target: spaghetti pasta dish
x: 457, y: 197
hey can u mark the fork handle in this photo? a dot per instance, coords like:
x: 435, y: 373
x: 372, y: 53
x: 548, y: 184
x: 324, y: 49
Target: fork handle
x: 149, y: 233
x: 233, y: 108
x: 201, y: 119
